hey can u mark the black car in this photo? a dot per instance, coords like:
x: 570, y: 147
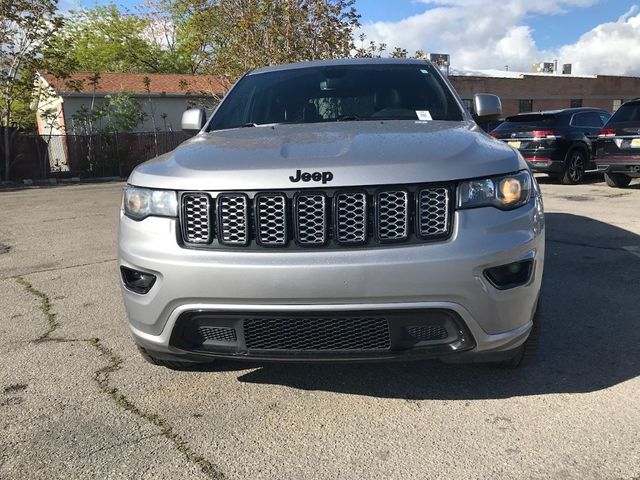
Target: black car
x: 618, y: 146
x: 557, y: 142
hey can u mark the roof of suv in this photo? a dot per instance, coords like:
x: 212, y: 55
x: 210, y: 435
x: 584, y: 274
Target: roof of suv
x: 341, y: 62
x: 564, y: 111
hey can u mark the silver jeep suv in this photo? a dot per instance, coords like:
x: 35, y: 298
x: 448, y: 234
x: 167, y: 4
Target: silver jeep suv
x: 331, y: 211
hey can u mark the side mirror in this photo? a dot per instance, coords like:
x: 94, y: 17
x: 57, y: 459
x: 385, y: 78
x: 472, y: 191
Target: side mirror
x: 487, y: 107
x: 193, y: 120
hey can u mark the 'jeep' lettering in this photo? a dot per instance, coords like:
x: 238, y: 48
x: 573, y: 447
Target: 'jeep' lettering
x: 323, y: 177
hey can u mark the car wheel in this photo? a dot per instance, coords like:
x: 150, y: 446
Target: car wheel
x: 617, y: 180
x: 525, y: 352
x: 575, y: 166
x: 170, y: 364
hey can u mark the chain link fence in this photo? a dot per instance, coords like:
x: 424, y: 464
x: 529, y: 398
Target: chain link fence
x: 86, y: 156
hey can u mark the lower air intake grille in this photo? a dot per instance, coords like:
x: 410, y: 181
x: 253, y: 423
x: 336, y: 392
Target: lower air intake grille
x: 428, y: 332
x: 317, y: 333
x: 217, y: 334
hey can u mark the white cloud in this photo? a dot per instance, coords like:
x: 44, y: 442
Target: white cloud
x: 610, y: 48
x: 480, y: 34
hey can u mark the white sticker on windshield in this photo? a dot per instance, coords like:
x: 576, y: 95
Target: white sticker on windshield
x: 423, y: 115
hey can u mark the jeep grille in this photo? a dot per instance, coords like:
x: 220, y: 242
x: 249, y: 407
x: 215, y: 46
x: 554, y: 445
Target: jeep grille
x: 334, y: 217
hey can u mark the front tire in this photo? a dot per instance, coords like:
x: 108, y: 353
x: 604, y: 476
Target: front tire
x: 617, y: 180
x: 575, y: 167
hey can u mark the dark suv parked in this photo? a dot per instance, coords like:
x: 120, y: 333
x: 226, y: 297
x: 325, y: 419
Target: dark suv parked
x: 618, y: 146
x: 557, y: 142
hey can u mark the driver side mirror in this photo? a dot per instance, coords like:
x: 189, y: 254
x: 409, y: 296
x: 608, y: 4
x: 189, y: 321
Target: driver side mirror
x: 487, y: 107
x: 193, y: 120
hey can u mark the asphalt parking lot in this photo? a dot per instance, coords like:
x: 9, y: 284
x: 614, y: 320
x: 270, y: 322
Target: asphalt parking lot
x: 78, y: 401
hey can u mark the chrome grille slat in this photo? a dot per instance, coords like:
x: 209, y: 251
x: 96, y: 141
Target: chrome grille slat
x: 392, y: 215
x: 271, y: 219
x: 351, y: 217
x: 233, y: 219
x: 311, y: 218
x: 370, y: 216
x: 433, y: 212
x: 196, y: 211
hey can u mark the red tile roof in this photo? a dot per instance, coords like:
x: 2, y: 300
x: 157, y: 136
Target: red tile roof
x: 159, y: 83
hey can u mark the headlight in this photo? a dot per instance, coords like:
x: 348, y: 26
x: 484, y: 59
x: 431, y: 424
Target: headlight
x: 506, y: 192
x: 140, y: 203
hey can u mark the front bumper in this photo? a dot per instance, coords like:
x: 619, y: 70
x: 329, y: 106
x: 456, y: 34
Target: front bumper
x: 445, y: 275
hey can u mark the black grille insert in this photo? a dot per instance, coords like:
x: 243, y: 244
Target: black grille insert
x: 216, y: 334
x: 310, y: 213
x: 196, y: 212
x: 312, y: 219
x: 317, y: 333
x: 271, y: 219
x: 428, y: 332
x: 233, y: 219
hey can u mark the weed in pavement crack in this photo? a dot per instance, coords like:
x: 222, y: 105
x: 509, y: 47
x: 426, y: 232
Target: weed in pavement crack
x: 45, y: 306
x: 102, y: 377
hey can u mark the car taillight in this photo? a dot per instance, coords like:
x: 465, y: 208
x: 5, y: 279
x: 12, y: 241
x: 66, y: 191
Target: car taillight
x: 494, y: 134
x: 607, y: 132
x: 546, y: 134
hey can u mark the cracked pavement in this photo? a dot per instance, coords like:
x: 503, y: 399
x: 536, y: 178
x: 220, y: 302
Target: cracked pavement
x: 78, y: 401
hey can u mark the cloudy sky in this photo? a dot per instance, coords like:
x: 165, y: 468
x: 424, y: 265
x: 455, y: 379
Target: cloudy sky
x: 601, y: 37
x: 596, y: 36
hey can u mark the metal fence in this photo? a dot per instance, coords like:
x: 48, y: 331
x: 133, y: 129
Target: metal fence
x: 85, y: 156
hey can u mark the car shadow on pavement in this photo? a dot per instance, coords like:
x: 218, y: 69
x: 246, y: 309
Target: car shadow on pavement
x: 589, y: 178
x: 590, y: 335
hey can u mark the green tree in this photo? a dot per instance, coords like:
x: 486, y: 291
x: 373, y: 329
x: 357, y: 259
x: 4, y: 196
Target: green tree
x: 229, y: 37
x: 118, y: 113
x: 26, y: 30
x: 104, y: 39
x: 399, y: 53
x: 368, y: 50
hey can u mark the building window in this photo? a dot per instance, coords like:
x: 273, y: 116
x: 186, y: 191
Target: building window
x: 617, y: 103
x: 575, y: 103
x: 468, y: 102
x: 526, y: 106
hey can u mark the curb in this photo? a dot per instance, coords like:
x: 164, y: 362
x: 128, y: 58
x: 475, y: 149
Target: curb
x: 51, y: 182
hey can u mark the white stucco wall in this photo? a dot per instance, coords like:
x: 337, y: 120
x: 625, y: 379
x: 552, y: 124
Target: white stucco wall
x: 173, y: 107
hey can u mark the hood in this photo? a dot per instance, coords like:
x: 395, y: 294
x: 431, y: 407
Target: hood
x: 342, y: 154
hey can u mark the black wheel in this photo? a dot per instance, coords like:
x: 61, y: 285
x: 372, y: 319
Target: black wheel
x: 617, y: 180
x: 169, y: 363
x: 525, y: 352
x: 575, y: 167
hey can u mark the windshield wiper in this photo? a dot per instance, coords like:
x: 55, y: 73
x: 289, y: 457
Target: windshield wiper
x: 347, y: 118
x: 250, y: 124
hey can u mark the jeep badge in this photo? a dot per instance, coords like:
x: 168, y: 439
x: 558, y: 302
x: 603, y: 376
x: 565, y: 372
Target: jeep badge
x: 315, y: 176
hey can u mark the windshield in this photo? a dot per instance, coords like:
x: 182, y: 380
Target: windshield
x: 338, y: 93
x: 530, y: 120
x: 629, y: 112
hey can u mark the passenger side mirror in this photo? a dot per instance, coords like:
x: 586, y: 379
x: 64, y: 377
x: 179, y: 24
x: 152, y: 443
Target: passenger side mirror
x: 193, y: 120
x: 487, y: 107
